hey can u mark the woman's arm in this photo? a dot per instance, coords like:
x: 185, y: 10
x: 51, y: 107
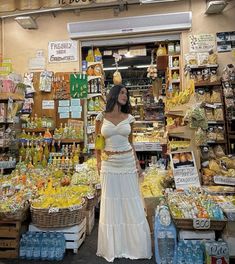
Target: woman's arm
x: 139, y: 170
x: 98, y: 152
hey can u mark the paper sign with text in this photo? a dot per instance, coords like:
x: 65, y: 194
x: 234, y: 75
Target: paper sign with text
x: 184, y: 169
x: 62, y: 51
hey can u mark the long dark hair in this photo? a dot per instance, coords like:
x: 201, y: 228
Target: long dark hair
x: 112, y: 99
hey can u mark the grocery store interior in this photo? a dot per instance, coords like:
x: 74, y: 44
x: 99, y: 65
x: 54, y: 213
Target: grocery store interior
x: 58, y: 61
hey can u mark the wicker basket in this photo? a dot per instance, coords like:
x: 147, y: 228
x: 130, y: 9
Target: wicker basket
x: 184, y: 223
x: 19, y: 215
x: 58, y: 217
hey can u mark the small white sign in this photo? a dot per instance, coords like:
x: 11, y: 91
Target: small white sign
x: 48, y: 104
x: 184, y: 169
x: 53, y: 210
x: 201, y: 223
x: 37, y: 63
x: 62, y: 51
x: 224, y: 180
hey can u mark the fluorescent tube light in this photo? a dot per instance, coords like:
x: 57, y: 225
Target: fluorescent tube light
x: 114, y: 68
x: 143, y: 66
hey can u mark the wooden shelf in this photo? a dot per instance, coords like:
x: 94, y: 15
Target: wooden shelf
x: 37, y: 130
x: 215, y: 122
x: 14, y: 96
x: 207, y: 84
x: 181, y: 132
x: 68, y: 140
x: 216, y: 141
x: 203, y: 66
x: 90, y: 95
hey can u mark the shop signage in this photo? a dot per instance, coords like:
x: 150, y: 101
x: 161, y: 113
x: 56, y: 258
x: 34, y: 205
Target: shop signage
x: 201, y: 223
x: 184, y: 169
x: 62, y: 51
x: 201, y: 42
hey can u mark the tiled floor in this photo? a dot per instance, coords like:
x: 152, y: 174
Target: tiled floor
x: 86, y: 255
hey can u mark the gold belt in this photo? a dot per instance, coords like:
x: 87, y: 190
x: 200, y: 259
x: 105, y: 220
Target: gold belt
x: 105, y: 154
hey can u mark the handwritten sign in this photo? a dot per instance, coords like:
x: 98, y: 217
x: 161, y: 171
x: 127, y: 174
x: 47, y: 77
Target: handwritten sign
x: 201, y: 42
x: 62, y: 51
x: 184, y: 169
x: 201, y: 223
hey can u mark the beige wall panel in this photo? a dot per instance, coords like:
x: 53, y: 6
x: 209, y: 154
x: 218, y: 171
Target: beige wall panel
x: 21, y: 44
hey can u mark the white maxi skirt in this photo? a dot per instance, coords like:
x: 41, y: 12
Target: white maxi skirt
x: 123, y: 228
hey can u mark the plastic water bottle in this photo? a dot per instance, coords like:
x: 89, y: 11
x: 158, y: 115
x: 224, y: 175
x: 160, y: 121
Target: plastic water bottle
x: 60, y: 246
x: 180, y: 253
x: 165, y: 237
x: 162, y: 247
x: 170, y: 248
x: 51, y: 247
x: 23, y: 244
x: 29, y: 246
x: 44, y: 246
x: 36, y: 246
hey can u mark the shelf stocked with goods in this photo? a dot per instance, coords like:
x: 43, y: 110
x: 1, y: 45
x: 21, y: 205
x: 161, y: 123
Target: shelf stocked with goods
x: 228, y: 86
x: 10, y: 105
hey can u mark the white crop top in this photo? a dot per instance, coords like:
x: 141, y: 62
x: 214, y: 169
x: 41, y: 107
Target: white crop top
x: 116, y: 136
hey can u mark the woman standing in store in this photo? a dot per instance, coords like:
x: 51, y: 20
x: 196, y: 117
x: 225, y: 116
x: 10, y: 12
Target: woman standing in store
x: 123, y: 228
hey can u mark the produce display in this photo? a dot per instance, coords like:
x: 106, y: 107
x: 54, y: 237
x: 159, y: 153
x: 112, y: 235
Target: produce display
x: 194, y: 204
x: 154, y: 181
x: 45, y: 187
x: 86, y: 173
x: 61, y: 197
x: 215, y: 163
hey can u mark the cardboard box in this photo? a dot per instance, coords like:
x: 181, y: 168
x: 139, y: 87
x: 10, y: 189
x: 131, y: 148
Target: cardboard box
x: 151, y: 204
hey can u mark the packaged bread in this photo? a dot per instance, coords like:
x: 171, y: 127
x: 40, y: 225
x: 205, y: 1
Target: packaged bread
x: 209, y: 114
x: 211, y: 134
x: 218, y: 114
x: 215, y: 97
x: 219, y: 152
x: 214, y: 166
x: 219, y: 133
x: 208, y: 172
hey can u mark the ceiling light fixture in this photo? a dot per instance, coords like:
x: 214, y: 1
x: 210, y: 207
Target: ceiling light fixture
x: 129, y: 55
x: 156, y: 1
x: 26, y: 22
x: 215, y: 7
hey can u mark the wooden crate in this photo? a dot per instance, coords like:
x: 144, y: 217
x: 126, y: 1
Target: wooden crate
x: 90, y: 220
x: 10, y: 232
x: 74, y: 235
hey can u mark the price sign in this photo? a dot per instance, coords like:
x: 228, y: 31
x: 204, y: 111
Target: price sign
x: 53, y: 210
x: 224, y: 180
x: 90, y: 196
x: 74, y: 207
x: 216, y: 249
x: 201, y: 223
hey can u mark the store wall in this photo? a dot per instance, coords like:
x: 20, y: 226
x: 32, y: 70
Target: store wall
x: 1, y: 39
x: 203, y: 23
x: 21, y: 44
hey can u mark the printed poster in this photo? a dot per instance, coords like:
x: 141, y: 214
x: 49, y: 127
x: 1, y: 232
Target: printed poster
x: 184, y: 169
x: 201, y: 42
